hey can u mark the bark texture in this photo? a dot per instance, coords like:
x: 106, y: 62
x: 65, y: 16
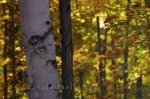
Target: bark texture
x: 40, y: 49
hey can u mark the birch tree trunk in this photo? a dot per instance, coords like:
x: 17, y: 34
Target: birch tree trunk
x: 39, y: 48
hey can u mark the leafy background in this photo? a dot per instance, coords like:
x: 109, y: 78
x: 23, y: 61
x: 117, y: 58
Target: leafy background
x: 126, y: 24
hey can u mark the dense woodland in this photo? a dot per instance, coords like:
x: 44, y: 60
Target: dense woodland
x: 111, y: 49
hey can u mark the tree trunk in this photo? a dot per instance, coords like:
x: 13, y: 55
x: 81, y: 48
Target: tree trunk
x: 40, y: 49
x: 125, y: 70
x: 5, y: 55
x: 102, y: 63
x: 139, y: 88
x: 114, y: 66
x: 126, y: 48
x: 67, y: 50
x: 147, y: 3
x: 81, y: 83
x: 12, y: 49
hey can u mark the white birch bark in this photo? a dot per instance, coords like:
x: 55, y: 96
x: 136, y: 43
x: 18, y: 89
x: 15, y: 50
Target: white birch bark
x: 39, y: 48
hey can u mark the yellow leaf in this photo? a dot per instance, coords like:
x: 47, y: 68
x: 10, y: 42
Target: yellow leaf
x: 7, y: 60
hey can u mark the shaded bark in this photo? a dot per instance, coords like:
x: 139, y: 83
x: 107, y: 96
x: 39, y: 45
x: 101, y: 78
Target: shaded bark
x: 66, y: 48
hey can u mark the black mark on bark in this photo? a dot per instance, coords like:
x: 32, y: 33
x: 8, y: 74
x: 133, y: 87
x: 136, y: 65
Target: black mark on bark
x: 40, y: 50
x: 37, y: 39
x: 49, y: 85
x: 53, y: 62
x: 47, y: 22
x: 31, y: 87
x: 46, y: 34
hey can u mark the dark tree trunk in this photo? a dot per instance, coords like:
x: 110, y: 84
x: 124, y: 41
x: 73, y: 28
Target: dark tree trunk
x: 125, y: 70
x: 139, y: 88
x: 67, y: 50
x: 81, y: 83
x: 12, y: 49
x: 114, y: 66
x: 5, y: 82
x: 147, y: 3
x: 102, y: 63
x: 5, y: 55
x: 125, y: 67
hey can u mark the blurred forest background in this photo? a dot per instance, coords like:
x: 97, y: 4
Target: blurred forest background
x: 111, y: 43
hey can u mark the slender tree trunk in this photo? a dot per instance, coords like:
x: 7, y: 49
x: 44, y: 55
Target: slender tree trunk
x: 40, y: 49
x: 12, y: 50
x: 139, y: 88
x: 81, y: 83
x: 139, y: 82
x: 114, y: 66
x: 67, y: 50
x: 125, y: 69
x: 5, y: 56
x: 102, y: 63
x: 5, y: 82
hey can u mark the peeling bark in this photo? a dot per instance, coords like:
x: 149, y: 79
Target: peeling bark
x: 40, y: 49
